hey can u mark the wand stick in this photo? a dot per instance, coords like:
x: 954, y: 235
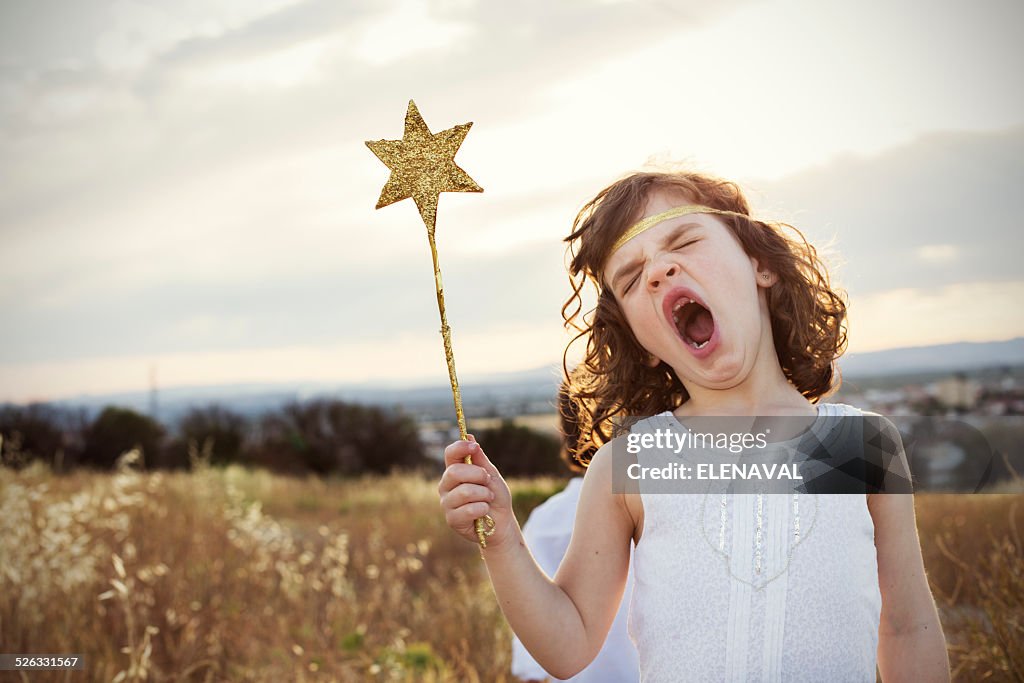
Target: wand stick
x: 422, y: 166
x: 484, y: 526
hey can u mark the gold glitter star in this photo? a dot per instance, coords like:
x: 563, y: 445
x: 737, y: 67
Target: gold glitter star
x: 422, y: 165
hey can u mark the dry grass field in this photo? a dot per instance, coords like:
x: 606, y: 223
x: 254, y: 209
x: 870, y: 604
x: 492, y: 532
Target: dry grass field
x: 232, y: 574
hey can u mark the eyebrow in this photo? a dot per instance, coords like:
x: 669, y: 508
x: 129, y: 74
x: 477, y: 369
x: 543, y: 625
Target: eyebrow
x: 632, y: 266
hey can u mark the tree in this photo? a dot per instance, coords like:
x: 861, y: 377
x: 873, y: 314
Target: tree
x: 519, y: 451
x: 223, y: 428
x: 40, y: 431
x: 29, y: 433
x: 117, y: 430
x: 331, y: 436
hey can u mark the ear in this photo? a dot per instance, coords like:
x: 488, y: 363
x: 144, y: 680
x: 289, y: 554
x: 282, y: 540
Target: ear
x: 763, y: 276
x: 652, y: 361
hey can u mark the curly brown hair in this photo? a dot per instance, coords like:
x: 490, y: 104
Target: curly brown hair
x: 613, y: 384
x: 572, y: 453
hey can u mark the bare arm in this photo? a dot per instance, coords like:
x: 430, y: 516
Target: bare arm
x: 548, y: 551
x: 911, y: 646
x: 562, y: 622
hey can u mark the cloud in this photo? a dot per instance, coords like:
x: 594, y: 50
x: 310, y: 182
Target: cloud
x: 939, y: 211
x: 246, y: 291
x: 405, y: 30
x: 188, y: 93
x: 937, y: 254
x: 191, y: 179
x: 976, y: 311
x: 116, y: 34
x: 372, y: 302
x: 406, y: 357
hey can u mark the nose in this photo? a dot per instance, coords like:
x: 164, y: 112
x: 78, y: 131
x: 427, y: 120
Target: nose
x: 660, y: 272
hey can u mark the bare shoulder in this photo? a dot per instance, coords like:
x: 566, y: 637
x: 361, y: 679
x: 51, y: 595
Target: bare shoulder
x: 600, y: 479
x: 627, y: 502
x: 883, y: 448
x: 892, y: 510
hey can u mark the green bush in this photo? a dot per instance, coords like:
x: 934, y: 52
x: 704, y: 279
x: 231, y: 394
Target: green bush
x: 520, y: 451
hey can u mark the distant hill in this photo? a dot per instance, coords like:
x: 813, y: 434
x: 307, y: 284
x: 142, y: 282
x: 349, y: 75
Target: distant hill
x: 941, y: 357
x: 533, y: 390
x: 485, y: 395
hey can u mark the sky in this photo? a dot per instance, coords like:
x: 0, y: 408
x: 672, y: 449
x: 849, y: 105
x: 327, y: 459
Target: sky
x: 187, y: 198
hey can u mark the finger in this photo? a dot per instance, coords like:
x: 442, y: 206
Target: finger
x: 469, y: 493
x: 476, y: 452
x: 467, y: 514
x: 461, y: 473
x: 456, y: 452
x: 480, y: 458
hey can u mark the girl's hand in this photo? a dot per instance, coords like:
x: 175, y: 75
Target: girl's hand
x: 470, y: 491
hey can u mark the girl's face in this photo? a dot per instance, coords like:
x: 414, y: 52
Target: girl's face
x: 691, y: 296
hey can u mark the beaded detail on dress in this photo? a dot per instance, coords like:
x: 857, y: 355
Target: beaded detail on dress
x: 764, y: 572
x: 756, y: 587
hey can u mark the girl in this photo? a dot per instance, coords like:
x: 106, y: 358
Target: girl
x: 704, y: 311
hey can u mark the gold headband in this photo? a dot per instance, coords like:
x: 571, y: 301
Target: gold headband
x: 651, y: 221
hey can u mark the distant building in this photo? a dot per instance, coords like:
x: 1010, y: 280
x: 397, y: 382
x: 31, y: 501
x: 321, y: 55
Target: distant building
x: 1007, y: 381
x: 958, y: 393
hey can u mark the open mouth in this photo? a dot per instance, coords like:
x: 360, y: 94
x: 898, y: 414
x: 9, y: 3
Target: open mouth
x: 694, y: 322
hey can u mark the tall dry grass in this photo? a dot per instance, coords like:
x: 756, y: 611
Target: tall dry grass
x: 241, y: 575
x: 975, y: 563
x: 231, y: 574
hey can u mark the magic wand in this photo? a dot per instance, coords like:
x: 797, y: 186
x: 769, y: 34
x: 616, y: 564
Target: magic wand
x: 423, y: 166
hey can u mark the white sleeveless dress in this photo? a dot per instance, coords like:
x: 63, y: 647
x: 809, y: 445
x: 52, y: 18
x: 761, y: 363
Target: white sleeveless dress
x: 746, y: 587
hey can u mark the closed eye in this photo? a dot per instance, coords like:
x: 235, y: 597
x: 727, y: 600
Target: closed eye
x: 630, y: 284
x: 682, y: 245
